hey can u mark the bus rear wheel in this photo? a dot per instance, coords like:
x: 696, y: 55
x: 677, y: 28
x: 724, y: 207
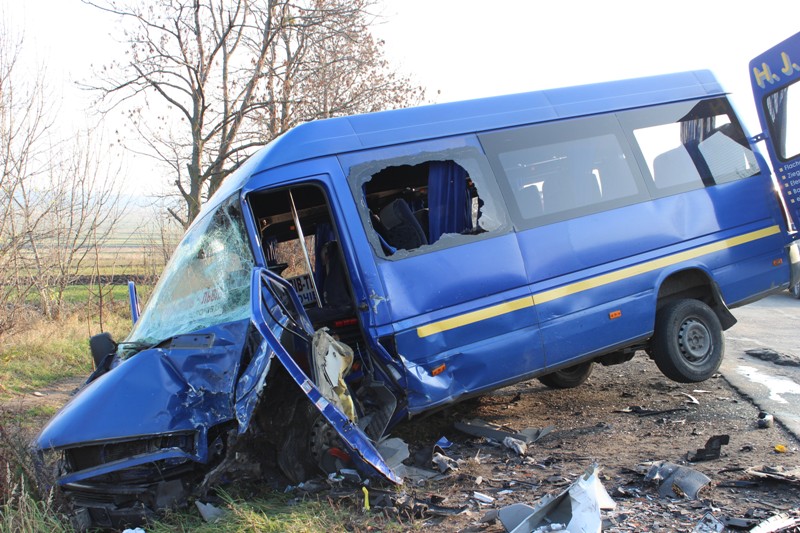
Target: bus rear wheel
x: 688, y: 344
x: 567, y: 378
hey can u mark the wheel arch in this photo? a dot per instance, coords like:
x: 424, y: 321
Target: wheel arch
x: 694, y: 283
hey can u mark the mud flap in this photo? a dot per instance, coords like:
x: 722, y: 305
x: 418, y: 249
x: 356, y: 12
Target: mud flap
x: 275, y: 306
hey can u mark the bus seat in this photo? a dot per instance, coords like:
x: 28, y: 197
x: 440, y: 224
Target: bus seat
x: 403, y: 231
x: 529, y: 200
x: 334, y: 292
x: 557, y: 194
x: 674, y: 167
x: 587, y: 189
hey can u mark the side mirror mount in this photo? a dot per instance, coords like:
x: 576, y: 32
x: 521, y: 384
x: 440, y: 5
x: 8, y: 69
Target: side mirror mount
x: 134, y: 299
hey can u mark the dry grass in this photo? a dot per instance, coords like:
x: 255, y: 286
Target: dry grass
x: 41, y: 351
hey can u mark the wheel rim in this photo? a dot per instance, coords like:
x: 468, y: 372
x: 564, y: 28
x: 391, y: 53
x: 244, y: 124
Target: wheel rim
x: 695, y: 341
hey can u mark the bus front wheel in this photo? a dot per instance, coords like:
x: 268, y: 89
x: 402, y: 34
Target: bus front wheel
x: 567, y: 378
x: 688, y: 344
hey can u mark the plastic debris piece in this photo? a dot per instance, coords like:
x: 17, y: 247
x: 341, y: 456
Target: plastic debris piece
x: 780, y: 448
x: 332, y: 361
x: 709, y: 524
x: 209, y: 512
x: 675, y: 480
x: 394, y: 451
x: 765, y: 420
x: 136, y: 530
x: 481, y: 497
x: 519, y: 447
x: 443, y: 443
x: 366, y: 498
x: 712, y: 449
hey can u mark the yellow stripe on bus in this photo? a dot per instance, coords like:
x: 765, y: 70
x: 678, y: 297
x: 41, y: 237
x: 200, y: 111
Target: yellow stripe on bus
x: 591, y: 283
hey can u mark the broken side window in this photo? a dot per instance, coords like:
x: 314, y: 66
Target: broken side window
x: 206, y: 282
x: 427, y: 200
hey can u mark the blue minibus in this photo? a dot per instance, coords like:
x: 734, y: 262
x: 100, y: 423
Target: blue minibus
x: 362, y: 270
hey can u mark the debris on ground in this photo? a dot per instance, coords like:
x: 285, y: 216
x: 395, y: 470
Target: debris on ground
x: 775, y: 473
x: 711, y: 451
x: 479, y: 428
x: 210, y: 512
x: 778, y: 523
x: 577, y: 508
x: 765, y: 420
x: 771, y: 356
x: 675, y: 480
x: 641, y: 411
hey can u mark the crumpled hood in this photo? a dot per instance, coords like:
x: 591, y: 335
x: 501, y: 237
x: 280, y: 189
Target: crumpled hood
x: 157, y: 391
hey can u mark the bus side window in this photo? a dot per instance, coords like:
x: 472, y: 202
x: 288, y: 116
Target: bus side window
x: 691, y: 145
x: 426, y: 202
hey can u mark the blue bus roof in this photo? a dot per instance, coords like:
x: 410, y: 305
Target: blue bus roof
x: 357, y: 132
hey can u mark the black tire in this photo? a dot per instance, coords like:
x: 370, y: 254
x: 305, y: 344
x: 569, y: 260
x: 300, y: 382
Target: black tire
x: 567, y: 378
x: 795, y: 290
x: 294, y: 452
x: 688, y: 344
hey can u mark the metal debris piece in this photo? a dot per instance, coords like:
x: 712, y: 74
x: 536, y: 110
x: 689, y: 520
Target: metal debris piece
x: 779, y: 522
x: 483, y: 498
x: 576, y: 508
x: 444, y: 463
x: 641, y: 411
x: 518, y: 446
x: 691, y: 399
x: 712, y: 450
x: 709, y: 524
x: 480, y: 428
x: 675, y: 480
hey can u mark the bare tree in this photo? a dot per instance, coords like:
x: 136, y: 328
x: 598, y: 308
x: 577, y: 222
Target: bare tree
x: 24, y: 126
x: 208, y: 81
x: 56, y: 200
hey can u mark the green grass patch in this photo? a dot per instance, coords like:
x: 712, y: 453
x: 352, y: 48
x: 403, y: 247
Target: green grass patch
x: 279, y: 512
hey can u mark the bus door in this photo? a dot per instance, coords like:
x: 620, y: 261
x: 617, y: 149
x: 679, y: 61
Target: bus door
x: 774, y: 76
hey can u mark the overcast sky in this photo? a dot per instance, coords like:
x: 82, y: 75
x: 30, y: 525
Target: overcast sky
x: 459, y: 50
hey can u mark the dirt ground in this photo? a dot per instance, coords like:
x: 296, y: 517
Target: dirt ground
x: 589, y: 428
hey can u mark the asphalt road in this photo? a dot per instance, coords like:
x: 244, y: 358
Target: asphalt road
x: 768, y: 325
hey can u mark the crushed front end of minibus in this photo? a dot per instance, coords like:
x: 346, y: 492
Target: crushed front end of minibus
x: 221, y: 378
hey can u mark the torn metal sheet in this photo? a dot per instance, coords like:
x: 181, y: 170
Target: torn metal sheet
x: 480, y: 428
x: 675, y: 480
x: 578, y: 508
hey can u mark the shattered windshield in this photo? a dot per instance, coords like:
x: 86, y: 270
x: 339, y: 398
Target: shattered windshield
x: 206, y: 282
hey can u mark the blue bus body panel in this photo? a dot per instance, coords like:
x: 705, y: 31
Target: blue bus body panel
x: 349, y: 134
